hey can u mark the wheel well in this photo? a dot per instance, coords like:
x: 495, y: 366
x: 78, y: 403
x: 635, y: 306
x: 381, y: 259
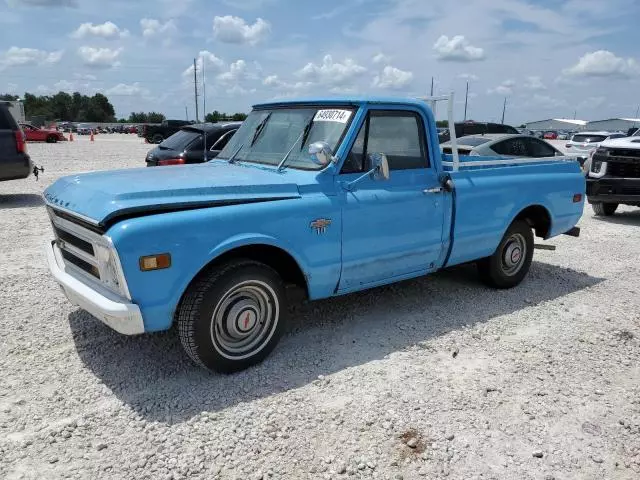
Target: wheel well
x: 538, y: 218
x: 274, y: 257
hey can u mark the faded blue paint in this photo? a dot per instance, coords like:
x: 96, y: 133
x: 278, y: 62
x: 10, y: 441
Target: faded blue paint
x: 380, y: 232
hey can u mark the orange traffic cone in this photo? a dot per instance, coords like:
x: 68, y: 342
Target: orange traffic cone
x: 91, y: 137
x: 71, y: 136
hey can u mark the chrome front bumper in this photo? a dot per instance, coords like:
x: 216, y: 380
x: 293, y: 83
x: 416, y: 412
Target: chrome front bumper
x: 111, y: 309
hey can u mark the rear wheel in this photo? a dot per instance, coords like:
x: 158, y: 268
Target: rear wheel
x: 233, y: 316
x: 52, y: 139
x: 157, y: 138
x: 510, y: 263
x: 604, y: 209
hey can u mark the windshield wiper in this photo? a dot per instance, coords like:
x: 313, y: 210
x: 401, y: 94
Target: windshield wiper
x: 303, y: 137
x: 259, y: 129
x: 232, y: 158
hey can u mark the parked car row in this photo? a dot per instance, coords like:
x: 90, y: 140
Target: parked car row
x: 36, y: 134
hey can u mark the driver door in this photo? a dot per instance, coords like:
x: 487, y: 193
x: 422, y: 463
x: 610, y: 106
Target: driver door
x: 391, y: 228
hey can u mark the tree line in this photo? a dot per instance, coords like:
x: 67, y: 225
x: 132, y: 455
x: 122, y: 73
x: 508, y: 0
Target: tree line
x: 97, y: 108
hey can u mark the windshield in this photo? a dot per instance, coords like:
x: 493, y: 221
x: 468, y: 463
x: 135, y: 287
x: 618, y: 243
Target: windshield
x: 179, y: 140
x: 637, y: 134
x: 586, y: 138
x: 267, y: 135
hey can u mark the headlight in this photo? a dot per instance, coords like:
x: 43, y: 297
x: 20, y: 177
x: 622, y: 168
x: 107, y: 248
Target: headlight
x: 110, y: 271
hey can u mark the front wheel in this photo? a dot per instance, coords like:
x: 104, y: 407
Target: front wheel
x: 233, y: 316
x: 510, y: 263
x: 604, y: 209
x: 52, y: 139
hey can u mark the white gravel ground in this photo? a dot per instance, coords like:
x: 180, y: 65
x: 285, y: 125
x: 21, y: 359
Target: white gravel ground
x: 430, y: 378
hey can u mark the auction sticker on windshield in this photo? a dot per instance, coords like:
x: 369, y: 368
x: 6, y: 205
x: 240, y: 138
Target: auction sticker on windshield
x: 341, y: 116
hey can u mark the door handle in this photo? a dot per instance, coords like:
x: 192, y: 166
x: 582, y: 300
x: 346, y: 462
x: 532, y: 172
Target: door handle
x: 433, y: 190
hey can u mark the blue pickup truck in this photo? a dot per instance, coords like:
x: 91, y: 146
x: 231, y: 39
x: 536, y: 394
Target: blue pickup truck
x: 330, y: 195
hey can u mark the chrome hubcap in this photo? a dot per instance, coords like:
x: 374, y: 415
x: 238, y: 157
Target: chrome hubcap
x: 513, y: 254
x: 244, y: 319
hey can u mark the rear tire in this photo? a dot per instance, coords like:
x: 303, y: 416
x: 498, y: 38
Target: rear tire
x: 233, y: 316
x: 52, y: 139
x: 511, y: 261
x: 604, y: 209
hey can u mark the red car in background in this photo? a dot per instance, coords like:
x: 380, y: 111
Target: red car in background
x: 35, y: 134
x: 550, y: 135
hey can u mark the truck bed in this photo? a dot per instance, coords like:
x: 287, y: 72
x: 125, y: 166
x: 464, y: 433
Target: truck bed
x: 490, y: 191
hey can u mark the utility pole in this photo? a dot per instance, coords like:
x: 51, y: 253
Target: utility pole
x: 186, y: 113
x: 195, y: 86
x: 466, y: 100
x: 575, y: 113
x: 637, y: 111
x: 432, y: 86
x: 504, y: 108
x: 204, y: 91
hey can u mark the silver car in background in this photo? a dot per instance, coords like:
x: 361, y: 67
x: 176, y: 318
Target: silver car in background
x: 583, y: 143
x: 500, y: 144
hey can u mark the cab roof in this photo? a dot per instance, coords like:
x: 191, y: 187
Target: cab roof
x: 345, y: 100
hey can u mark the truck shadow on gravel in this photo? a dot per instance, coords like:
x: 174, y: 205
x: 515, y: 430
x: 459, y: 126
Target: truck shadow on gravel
x: 20, y: 200
x: 153, y: 376
x: 623, y: 218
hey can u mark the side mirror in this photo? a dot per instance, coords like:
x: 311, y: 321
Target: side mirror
x: 379, y: 166
x: 321, y: 153
x: 379, y: 170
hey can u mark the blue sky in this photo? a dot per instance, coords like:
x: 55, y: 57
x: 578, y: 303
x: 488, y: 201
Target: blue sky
x: 550, y: 58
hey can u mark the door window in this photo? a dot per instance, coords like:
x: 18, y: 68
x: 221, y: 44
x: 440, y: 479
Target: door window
x: 539, y: 149
x: 513, y: 147
x: 397, y: 134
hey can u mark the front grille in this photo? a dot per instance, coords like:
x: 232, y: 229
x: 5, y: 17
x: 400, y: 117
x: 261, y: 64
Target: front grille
x: 81, y: 264
x: 73, y: 240
x: 624, y: 152
x: 623, y: 169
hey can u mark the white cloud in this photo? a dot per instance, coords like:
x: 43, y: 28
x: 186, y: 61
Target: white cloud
x: 49, y: 3
x: 107, y: 30
x: 380, y: 58
x: 85, y: 76
x: 603, y: 63
x: 210, y: 60
x: 122, y: 89
x: 468, y: 76
x: 238, y: 91
x: 392, y: 77
x: 237, y: 71
x: 457, y: 49
x: 293, y: 88
x: 99, y: 57
x: 152, y: 27
x: 16, y: 56
x: 230, y: 29
x: 546, y: 102
x: 505, y: 88
x: 330, y: 72
x: 534, y: 83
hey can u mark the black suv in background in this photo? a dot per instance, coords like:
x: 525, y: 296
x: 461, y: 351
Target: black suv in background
x: 188, y: 144
x: 158, y: 132
x: 15, y: 163
x: 476, y: 128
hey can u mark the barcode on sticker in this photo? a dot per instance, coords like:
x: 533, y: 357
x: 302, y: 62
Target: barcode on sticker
x: 341, y: 116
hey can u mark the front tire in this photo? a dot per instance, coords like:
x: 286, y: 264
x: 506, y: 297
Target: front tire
x: 52, y: 139
x: 604, y: 209
x: 511, y: 261
x: 233, y: 316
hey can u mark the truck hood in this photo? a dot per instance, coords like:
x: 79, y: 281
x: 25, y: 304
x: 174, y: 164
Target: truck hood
x: 628, y: 142
x: 103, y: 197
